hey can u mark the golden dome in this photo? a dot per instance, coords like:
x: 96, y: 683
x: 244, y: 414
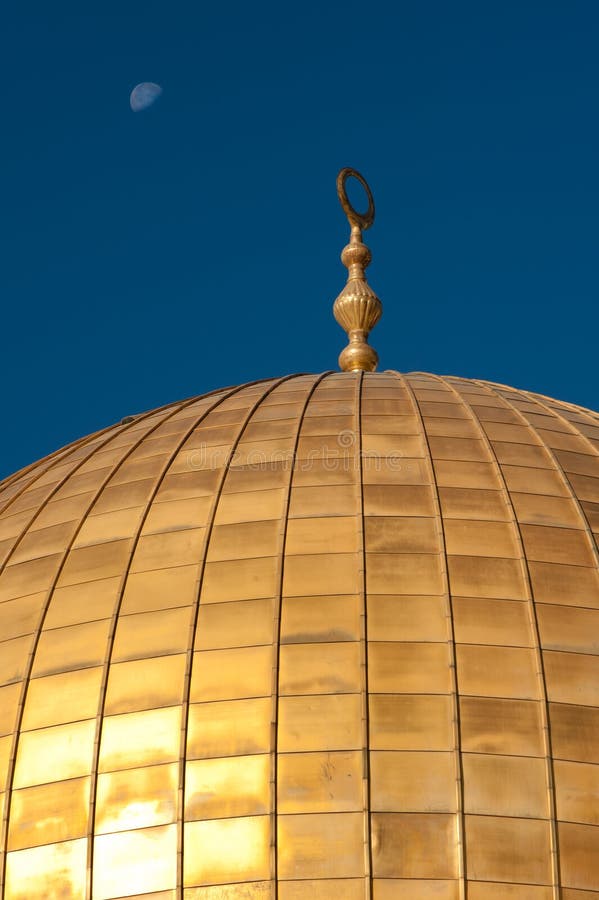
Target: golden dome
x: 315, y: 637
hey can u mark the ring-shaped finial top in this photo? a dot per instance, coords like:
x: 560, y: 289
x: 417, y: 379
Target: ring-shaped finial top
x: 362, y: 220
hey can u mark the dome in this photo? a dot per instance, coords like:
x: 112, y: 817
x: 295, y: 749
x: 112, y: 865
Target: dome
x: 314, y: 637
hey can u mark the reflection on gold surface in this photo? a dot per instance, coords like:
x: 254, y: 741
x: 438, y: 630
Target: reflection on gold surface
x: 229, y: 728
x: 49, y: 813
x: 136, y: 798
x: 61, y: 698
x: 54, y: 870
x: 224, y: 850
x: 234, y: 786
x: 143, y: 861
x: 344, y: 700
x: 53, y: 754
x: 141, y: 738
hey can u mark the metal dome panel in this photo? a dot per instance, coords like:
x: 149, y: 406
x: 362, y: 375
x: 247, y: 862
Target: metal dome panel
x: 319, y: 636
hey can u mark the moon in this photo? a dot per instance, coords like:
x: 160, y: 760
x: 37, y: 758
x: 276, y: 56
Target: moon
x: 144, y: 95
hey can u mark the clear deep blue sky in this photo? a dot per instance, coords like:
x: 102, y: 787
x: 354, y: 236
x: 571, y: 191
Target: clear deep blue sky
x: 151, y: 256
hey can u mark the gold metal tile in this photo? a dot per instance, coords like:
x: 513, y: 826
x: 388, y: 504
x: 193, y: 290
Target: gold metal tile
x: 558, y: 545
x: 83, y: 602
x: 160, y: 589
x: 320, y: 668
x: 301, y: 718
x: 6, y: 744
x: 489, y: 890
x: 152, y: 634
x: 136, y: 798
x: 486, y: 576
x: 575, y: 732
x: 247, y: 890
x: 320, y: 782
x: 572, y: 677
x: 47, y: 871
x: 72, y: 647
x: 509, y: 849
x: 49, y: 813
x: 323, y: 500
x: 175, y: 548
x: 244, y: 540
x: 9, y: 701
x: 240, y: 579
x: 327, y: 573
x: 579, y: 855
x: 229, y: 728
x: 403, y: 573
x: 413, y: 781
x: 231, y: 674
x: 61, y: 698
x: 109, y: 526
x: 244, y: 623
x: 465, y: 474
x: 145, y: 684
x: 505, y: 785
x: 96, y: 561
x: 20, y: 616
x: 577, y: 791
x: 53, y: 539
x: 475, y: 538
x: 322, y: 889
x: 175, y: 515
x: 539, y: 509
x: 401, y: 534
x: 14, y: 658
x: 326, y: 618
x: 29, y: 577
x: 410, y: 722
x: 143, y: 860
x: 415, y: 889
x: 320, y: 845
x: 534, y: 481
x: 454, y: 448
x: 335, y: 534
x: 139, y: 739
x: 400, y: 842
x: 250, y: 506
x: 408, y: 667
x: 570, y: 585
x: 468, y: 503
x: 54, y: 754
x: 497, y: 671
x: 490, y: 725
x: 222, y: 850
x: 398, y: 500
x: 484, y: 621
x: 226, y: 787
x: 404, y: 618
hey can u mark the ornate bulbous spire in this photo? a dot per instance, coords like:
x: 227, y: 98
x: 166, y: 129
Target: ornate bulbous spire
x: 357, y: 308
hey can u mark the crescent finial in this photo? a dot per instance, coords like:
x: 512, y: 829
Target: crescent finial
x: 357, y: 308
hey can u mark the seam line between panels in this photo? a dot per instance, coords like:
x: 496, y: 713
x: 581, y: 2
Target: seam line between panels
x: 277, y: 639
x: 534, y: 625
x: 40, y: 625
x: 185, y: 702
x: 116, y: 614
x: 457, y: 727
x: 366, y: 778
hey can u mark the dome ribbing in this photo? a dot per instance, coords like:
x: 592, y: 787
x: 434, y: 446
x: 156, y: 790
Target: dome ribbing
x: 318, y: 636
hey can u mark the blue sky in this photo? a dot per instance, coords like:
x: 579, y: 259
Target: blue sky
x: 151, y: 256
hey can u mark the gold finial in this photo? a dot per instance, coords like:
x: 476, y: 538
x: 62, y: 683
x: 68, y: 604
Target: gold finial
x: 357, y: 308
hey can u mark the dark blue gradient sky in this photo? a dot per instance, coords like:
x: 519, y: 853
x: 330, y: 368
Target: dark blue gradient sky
x: 150, y: 256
